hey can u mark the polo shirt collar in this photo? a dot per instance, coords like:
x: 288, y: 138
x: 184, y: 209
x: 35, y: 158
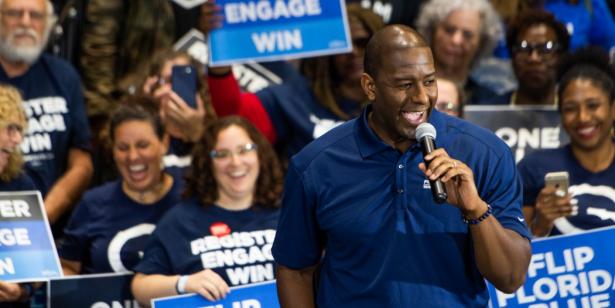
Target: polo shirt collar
x: 369, y: 143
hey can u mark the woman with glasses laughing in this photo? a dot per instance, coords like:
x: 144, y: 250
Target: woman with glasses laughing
x: 221, y: 236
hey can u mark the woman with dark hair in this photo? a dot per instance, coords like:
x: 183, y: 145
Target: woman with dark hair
x: 587, y: 111
x: 222, y: 235
x: 111, y: 224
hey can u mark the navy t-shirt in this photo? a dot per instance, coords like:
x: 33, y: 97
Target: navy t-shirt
x: 19, y: 183
x: 297, y: 116
x: 369, y: 208
x: 108, y: 231
x: 53, y: 101
x: 594, y: 192
x: 234, y: 244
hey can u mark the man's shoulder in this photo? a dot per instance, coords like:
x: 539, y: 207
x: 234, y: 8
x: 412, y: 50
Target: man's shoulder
x: 339, y: 138
x: 473, y: 137
x: 56, y: 63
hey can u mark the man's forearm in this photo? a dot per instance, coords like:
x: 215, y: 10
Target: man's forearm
x: 502, y: 255
x: 295, y: 287
x: 68, y: 188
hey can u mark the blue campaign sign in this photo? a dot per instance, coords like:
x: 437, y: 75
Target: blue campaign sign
x: 268, y: 30
x: 96, y: 291
x: 567, y: 271
x: 28, y: 252
x: 258, y: 295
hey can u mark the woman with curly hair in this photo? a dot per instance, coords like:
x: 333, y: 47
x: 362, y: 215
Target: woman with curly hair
x: 222, y: 234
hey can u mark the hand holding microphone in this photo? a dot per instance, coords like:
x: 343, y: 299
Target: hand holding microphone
x: 426, y: 135
x: 456, y: 178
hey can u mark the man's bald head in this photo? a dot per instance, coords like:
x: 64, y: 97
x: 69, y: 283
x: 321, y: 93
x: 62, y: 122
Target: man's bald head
x: 390, y: 38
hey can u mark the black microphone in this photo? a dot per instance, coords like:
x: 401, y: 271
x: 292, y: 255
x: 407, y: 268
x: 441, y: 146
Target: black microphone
x: 426, y: 135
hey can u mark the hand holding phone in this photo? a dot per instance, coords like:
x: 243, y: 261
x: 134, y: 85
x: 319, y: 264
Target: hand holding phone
x: 184, y: 81
x: 559, y: 181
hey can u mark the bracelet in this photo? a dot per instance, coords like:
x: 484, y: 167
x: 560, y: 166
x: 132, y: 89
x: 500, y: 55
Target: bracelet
x: 479, y: 219
x: 180, y: 287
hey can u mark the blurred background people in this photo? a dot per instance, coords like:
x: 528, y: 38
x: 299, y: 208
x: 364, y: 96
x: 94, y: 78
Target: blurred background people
x: 12, y: 178
x: 537, y: 42
x: 57, y: 143
x: 12, y: 126
x: 450, y: 98
x: 306, y: 106
x: 587, y: 111
x: 461, y: 33
x: 111, y: 224
x: 233, y: 190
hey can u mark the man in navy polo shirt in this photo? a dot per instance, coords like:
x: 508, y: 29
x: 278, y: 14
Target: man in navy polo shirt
x: 357, y: 205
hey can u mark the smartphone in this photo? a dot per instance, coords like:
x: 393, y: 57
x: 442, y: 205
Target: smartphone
x: 559, y: 180
x: 184, y: 80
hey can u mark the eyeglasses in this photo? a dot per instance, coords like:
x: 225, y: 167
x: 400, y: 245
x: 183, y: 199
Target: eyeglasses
x: 447, y: 107
x: 545, y: 49
x: 16, y: 15
x: 226, y: 154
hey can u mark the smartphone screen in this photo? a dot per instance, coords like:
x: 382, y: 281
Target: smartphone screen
x: 184, y: 82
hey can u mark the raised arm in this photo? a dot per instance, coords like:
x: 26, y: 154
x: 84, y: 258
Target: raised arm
x: 502, y: 255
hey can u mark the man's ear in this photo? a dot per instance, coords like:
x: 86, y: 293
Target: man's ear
x: 369, y: 87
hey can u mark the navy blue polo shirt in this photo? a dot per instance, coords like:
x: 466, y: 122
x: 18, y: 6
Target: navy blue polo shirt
x: 369, y: 208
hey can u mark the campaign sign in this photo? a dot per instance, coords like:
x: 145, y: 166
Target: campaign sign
x: 268, y: 30
x: 523, y: 128
x: 567, y: 271
x: 93, y: 291
x: 27, y: 250
x: 258, y: 295
x: 252, y: 77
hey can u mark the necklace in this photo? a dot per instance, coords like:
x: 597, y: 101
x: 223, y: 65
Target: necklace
x: 151, y: 195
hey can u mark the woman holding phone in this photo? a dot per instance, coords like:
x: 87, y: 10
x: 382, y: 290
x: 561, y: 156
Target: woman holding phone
x: 587, y: 111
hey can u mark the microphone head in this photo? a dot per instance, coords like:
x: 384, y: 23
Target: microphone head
x: 425, y: 130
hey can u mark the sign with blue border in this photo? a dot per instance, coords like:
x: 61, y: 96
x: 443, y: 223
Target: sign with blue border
x: 258, y: 295
x: 27, y: 250
x: 269, y: 30
x: 567, y: 271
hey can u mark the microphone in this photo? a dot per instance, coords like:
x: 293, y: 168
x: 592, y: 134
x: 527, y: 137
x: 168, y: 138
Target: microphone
x: 426, y: 135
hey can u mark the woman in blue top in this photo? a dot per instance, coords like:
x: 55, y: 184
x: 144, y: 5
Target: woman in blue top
x: 587, y: 110
x: 110, y: 226
x: 222, y: 235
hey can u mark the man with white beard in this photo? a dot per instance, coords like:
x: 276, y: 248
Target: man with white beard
x: 57, y: 144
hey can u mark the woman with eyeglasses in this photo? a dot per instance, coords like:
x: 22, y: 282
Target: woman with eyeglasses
x: 111, y: 224
x: 587, y: 111
x: 221, y: 236
x: 537, y: 42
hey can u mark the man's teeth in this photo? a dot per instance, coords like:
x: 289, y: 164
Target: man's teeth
x: 136, y: 168
x: 413, y: 116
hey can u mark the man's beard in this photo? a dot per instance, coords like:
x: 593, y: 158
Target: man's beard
x: 27, y: 54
